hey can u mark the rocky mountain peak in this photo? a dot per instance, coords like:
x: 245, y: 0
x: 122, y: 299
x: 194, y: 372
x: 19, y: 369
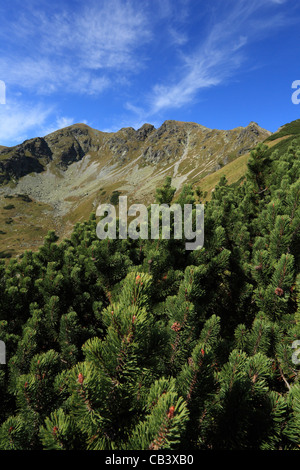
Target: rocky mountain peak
x: 144, y: 131
x: 174, y: 141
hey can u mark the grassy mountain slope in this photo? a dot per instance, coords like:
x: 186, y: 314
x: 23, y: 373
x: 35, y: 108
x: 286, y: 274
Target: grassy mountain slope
x: 235, y: 170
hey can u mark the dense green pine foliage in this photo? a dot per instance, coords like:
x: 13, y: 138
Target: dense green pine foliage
x: 140, y: 344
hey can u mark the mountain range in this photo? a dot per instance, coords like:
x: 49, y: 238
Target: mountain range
x: 52, y: 182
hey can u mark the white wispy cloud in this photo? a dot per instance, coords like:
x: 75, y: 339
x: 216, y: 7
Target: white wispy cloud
x: 75, y: 51
x: 221, y: 53
x: 46, y: 48
x: 19, y: 119
x: 177, y: 36
x: 58, y: 123
x: 279, y: 2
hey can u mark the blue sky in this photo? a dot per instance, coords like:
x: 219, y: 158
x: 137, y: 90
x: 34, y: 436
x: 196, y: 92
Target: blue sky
x: 121, y: 63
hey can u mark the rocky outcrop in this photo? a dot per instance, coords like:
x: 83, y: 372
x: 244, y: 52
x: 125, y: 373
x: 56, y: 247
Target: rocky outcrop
x: 31, y: 156
x: 70, y: 144
x: 63, y: 147
x: 249, y: 137
x: 144, y: 132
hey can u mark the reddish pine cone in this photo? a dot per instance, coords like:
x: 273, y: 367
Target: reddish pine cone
x: 176, y: 326
x: 171, y: 412
x: 279, y: 291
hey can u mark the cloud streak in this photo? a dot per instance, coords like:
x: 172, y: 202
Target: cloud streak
x: 76, y: 51
x: 219, y: 55
x: 18, y: 119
